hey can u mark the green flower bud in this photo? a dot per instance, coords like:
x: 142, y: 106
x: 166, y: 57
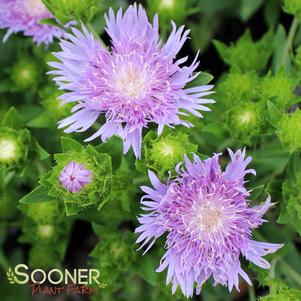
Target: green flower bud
x: 24, y: 74
x: 279, y: 88
x: 289, y: 131
x: 45, y: 231
x: 114, y: 254
x: 169, y: 10
x: 228, y: 93
x: 293, y: 7
x: 13, y: 147
x: 257, y: 53
x: 44, y: 213
x: 87, y: 163
x: 245, y: 121
x: 51, y: 104
x: 45, y: 227
x: 72, y: 10
x: 163, y: 153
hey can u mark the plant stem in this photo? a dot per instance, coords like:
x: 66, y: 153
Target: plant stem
x: 290, y: 40
x: 251, y: 293
x: 140, y: 180
x: 288, y: 270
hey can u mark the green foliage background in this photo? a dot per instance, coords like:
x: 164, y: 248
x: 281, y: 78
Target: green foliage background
x: 257, y: 69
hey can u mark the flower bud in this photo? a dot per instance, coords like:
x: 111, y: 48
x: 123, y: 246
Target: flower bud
x: 45, y: 231
x: 13, y: 146
x: 289, y: 131
x: 163, y: 153
x: 245, y: 121
x: 169, y: 10
x: 81, y: 178
x: 24, y: 74
x: 279, y: 87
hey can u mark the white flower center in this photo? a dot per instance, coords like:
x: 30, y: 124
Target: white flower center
x: 46, y: 231
x: 167, y: 3
x: 35, y: 7
x: 8, y: 149
x: 246, y: 117
x: 131, y: 83
x: 167, y: 150
x: 25, y: 74
x: 206, y: 219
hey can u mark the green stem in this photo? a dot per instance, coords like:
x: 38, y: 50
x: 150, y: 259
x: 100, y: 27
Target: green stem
x: 288, y: 270
x: 273, y: 267
x: 140, y: 180
x: 290, y: 40
x: 251, y: 293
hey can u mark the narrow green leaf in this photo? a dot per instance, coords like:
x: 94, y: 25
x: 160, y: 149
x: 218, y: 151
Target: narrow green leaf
x: 274, y: 114
x: 146, y: 269
x: 39, y: 194
x: 279, y: 45
x: 41, y: 152
x: 42, y: 121
x: 248, y: 8
x: 72, y: 209
x: 12, y: 119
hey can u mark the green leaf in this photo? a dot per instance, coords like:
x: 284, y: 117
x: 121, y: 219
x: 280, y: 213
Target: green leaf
x: 146, y: 269
x: 279, y: 45
x: 248, y: 8
x: 257, y: 191
x: 42, y: 121
x: 114, y: 148
x: 72, y: 209
x: 274, y: 114
x: 48, y: 21
x: 39, y: 194
x: 41, y: 152
x: 12, y: 119
x: 257, y: 53
x: 272, y: 11
x: 294, y: 167
x: 203, y: 79
x: 69, y: 144
x: 279, y: 291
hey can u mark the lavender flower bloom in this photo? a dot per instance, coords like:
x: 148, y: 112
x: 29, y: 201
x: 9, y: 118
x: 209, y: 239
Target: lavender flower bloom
x: 74, y: 177
x: 136, y: 82
x: 25, y: 15
x: 206, y: 215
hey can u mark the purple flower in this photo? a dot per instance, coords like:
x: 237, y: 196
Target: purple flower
x: 206, y: 215
x: 135, y: 82
x: 25, y: 16
x: 74, y: 177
